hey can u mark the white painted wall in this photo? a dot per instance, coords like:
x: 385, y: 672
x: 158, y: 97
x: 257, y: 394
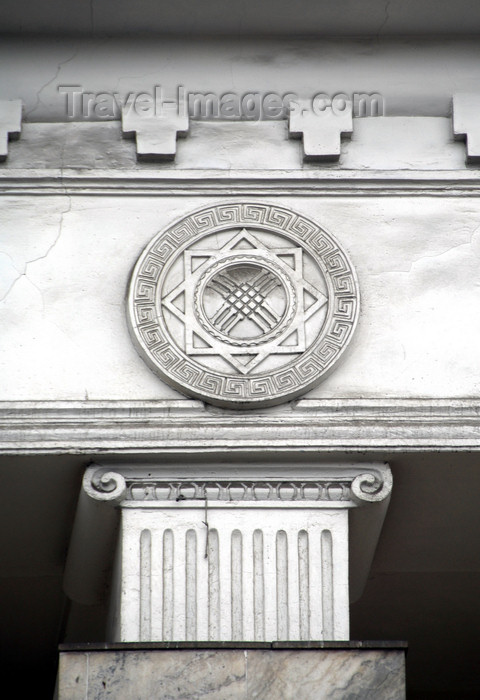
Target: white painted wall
x: 66, y: 262
x: 66, y: 254
x: 416, y: 75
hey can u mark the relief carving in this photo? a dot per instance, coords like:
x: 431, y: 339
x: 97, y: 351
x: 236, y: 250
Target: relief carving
x: 243, y: 305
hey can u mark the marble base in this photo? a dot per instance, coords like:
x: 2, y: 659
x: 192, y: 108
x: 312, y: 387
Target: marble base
x: 280, y: 671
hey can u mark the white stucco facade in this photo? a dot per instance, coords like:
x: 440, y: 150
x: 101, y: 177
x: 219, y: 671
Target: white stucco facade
x: 83, y: 195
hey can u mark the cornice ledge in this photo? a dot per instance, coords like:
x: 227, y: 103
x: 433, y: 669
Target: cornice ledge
x: 170, y: 181
x: 182, y: 426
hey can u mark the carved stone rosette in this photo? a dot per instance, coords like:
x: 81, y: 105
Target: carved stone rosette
x: 243, y: 304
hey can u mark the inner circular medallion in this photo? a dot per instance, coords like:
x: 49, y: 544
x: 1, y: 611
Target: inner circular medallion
x: 244, y: 302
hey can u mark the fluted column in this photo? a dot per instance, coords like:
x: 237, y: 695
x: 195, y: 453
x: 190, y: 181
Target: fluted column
x: 234, y: 556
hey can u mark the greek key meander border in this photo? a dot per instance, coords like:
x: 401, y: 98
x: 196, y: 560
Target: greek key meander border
x: 339, y: 325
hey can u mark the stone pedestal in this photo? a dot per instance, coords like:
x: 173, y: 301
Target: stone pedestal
x: 280, y: 671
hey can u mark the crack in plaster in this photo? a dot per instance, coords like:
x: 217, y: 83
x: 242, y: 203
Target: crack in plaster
x: 62, y: 154
x: 40, y: 257
x: 139, y: 76
x: 12, y: 262
x: 92, y: 17
x: 435, y: 255
x: 386, y: 18
x: 49, y: 82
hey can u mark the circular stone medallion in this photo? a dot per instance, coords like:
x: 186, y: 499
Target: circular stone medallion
x: 243, y: 305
